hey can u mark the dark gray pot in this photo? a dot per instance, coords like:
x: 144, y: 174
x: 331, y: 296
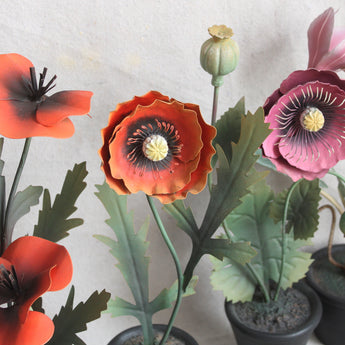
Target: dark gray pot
x: 127, y: 334
x: 331, y: 329
x: 248, y: 336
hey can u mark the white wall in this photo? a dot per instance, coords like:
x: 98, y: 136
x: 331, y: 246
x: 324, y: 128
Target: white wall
x: 119, y: 49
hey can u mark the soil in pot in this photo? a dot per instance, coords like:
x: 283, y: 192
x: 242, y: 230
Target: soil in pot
x: 290, y: 320
x: 133, y: 336
x: 329, y: 282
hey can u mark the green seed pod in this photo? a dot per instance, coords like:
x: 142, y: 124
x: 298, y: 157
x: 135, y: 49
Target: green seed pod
x: 219, y: 55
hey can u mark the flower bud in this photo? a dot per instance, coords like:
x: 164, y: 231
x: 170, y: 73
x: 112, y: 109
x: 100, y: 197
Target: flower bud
x: 219, y: 55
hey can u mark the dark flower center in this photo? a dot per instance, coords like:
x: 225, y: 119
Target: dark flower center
x: 9, y: 286
x: 152, y: 144
x: 37, y: 90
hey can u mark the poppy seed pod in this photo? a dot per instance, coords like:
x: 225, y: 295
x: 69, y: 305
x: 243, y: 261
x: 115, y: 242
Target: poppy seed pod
x: 219, y: 54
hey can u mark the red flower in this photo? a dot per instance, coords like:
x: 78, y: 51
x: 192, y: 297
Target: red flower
x: 29, y: 267
x: 157, y: 145
x: 26, y: 111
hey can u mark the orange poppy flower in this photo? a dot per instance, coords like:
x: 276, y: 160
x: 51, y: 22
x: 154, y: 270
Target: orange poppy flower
x: 29, y: 267
x: 26, y: 110
x: 157, y: 145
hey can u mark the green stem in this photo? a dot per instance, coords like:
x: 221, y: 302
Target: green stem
x: 334, y: 173
x: 215, y: 105
x: 333, y: 201
x: 177, y: 266
x: 282, y: 266
x: 251, y: 269
x: 6, y: 236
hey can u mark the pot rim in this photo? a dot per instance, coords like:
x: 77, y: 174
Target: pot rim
x: 322, y: 252
x: 136, y: 330
x: 307, y: 326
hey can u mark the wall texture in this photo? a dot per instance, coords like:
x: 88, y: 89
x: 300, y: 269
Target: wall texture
x: 119, y: 49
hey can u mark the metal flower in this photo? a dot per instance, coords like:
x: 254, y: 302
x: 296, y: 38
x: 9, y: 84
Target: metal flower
x: 29, y: 267
x: 157, y: 145
x: 26, y: 110
x: 307, y: 118
x: 326, y: 45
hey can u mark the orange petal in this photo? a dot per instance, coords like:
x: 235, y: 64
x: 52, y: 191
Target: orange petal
x: 171, y: 178
x: 32, y: 255
x: 17, y: 121
x: 36, y: 330
x: 61, y: 105
x: 13, y: 68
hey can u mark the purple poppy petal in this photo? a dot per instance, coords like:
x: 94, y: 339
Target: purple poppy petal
x: 334, y: 60
x: 337, y: 37
x: 319, y: 36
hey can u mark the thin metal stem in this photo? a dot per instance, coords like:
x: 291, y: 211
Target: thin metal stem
x: 6, y: 237
x: 177, y: 266
x: 283, y: 244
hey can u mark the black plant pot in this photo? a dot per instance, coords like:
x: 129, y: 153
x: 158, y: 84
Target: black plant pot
x: 133, y: 332
x: 299, y: 336
x: 331, y: 329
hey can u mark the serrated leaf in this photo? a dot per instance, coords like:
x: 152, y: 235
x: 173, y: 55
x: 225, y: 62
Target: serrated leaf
x: 167, y: 297
x: 251, y: 222
x: 54, y: 222
x: 303, y: 214
x: 233, y: 180
x: 184, y: 217
x: 229, y: 128
x: 72, y: 320
x: 22, y: 202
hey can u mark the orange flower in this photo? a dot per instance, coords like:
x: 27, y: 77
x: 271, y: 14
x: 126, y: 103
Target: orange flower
x: 26, y: 111
x: 157, y: 145
x: 29, y: 267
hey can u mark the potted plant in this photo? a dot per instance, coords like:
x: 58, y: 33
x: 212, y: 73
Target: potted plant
x: 35, y: 264
x: 164, y: 148
x: 306, y: 114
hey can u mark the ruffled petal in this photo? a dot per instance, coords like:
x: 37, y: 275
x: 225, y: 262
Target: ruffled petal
x: 319, y: 36
x: 36, y: 330
x: 63, y: 104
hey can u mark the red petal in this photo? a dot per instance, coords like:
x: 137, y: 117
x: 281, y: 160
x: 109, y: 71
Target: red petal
x: 61, y: 105
x: 17, y: 121
x: 319, y: 36
x: 13, y: 68
x: 32, y: 255
x: 36, y: 330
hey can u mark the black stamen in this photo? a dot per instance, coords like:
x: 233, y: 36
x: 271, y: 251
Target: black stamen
x: 36, y: 92
x: 33, y: 78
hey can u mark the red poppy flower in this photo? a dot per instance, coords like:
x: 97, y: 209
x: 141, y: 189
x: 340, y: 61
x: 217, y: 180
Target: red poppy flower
x: 157, y: 145
x: 29, y: 267
x: 26, y: 110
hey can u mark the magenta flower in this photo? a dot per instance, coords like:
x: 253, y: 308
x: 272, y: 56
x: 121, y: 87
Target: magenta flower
x: 307, y: 118
x: 326, y: 46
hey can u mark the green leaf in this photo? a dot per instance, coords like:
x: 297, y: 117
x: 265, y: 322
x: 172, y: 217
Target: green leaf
x: 72, y: 320
x: 341, y: 191
x: 342, y: 223
x: 130, y: 251
x: 233, y: 180
x: 251, y: 222
x: 21, y: 205
x: 54, y: 222
x: 184, y: 217
x: 2, y: 163
x: 229, y: 128
x: 303, y: 214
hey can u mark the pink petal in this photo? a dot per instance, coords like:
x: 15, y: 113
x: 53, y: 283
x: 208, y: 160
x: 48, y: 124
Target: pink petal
x: 319, y: 36
x: 333, y: 60
x: 337, y: 37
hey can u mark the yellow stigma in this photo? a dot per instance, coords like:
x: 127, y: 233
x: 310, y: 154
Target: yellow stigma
x: 312, y: 119
x: 155, y: 148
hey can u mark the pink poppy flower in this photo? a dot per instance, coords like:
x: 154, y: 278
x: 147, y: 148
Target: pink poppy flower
x: 307, y: 118
x: 326, y: 45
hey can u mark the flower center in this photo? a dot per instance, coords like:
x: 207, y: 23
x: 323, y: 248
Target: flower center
x: 38, y: 90
x: 312, y: 119
x: 155, y: 148
x: 9, y: 286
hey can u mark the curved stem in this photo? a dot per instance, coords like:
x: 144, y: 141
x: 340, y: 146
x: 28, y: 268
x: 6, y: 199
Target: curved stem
x: 177, y: 266
x: 334, y: 173
x: 251, y: 269
x: 6, y: 235
x: 286, y: 207
x: 333, y: 201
